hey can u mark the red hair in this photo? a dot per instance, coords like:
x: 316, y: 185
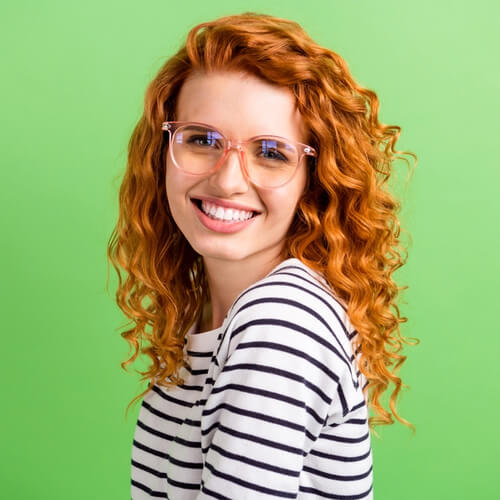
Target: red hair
x: 345, y: 227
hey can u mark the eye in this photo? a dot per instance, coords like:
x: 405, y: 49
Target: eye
x: 207, y: 140
x: 273, y: 154
x: 198, y: 138
x: 272, y: 150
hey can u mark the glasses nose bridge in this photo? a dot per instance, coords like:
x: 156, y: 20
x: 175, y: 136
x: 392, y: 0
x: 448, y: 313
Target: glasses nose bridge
x: 239, y: 148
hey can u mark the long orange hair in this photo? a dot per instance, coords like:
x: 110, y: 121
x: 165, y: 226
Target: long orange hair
x: 345, y: 227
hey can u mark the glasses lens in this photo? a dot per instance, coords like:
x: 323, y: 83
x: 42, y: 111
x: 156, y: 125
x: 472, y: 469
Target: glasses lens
x: 271, y: 162
x: 197, y: 149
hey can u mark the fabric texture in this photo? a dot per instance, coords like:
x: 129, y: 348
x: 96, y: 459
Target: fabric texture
x: 271, y: 406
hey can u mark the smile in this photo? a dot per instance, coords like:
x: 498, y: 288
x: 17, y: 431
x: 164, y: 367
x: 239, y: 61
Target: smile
x: 222, y: 219
x: 223, y: 213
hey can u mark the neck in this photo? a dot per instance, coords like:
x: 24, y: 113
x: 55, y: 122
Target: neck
x: 227, y: 279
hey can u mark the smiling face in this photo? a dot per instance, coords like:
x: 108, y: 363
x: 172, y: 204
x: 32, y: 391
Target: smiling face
x: 240, y: 106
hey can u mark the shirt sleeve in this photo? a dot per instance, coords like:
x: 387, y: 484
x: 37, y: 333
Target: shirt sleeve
x: 277, y: 378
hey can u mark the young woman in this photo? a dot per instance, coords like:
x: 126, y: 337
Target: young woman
x: 259, y: 244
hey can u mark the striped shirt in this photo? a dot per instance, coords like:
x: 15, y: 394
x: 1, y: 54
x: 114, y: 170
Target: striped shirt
x: 271, y: 406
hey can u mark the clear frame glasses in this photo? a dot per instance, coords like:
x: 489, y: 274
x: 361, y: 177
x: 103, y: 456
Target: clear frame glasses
x: 267, y: 161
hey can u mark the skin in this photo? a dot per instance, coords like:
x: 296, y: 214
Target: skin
x: 240, y: 105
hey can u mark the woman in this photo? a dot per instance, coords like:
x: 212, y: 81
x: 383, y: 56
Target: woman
x: 259, y: 244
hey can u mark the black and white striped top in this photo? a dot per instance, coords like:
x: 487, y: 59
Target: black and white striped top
x: 271, y: 407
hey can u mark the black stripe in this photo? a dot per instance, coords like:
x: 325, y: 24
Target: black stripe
x: 186, y: 465
x: 354, y: 421
x: 306, y: 290
x: 160, y: 414
x: 196, y: 372
x: 279, y: 373
x: 211, y: 493
x: 340, y: 458
x: 342, y: 439
x: 290, y: 350
x: 352, y: 334
x: 186, y: 486
x: 166, y: 456
x: 297, y: 328
x: 358, y: 406
x: 308, y: 310
x: 327, y: 292
x: 343, y: 401
x: 185, y: 442
x: 194, y: 423
x: 247, y: 484
x: 315, y: 282
x: 333, y: 496
x: 145, y: 468
x: 271, y: 395
x: 198, y: 388
x: 165, y: 416
x: 301, y: 267
x: 255, y: 463
x: 171, y: 399
x: 252, y: 438
x: 338, y: 477
x: 149, y: 491
x: 254, y: 414
x: 149, y: 450
x: 197, y: 354
x: 155, y: 432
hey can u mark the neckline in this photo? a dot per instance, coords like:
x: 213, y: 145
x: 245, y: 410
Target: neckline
x: 193, y: 331
x: 202, y: 341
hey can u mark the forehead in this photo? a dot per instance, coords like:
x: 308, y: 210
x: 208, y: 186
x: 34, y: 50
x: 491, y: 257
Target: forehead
x: 240, y: 105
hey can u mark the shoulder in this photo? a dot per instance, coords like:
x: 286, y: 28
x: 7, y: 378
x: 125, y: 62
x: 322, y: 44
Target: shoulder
x: 293, y: 306
x: 294, y: 292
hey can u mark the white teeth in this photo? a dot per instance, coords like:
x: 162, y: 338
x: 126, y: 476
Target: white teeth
x: 225, y: 214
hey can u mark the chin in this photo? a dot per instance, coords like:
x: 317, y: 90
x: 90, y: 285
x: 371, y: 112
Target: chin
x: 221, y: 253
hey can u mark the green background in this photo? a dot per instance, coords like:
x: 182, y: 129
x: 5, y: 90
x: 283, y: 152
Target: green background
x: 73, y: 80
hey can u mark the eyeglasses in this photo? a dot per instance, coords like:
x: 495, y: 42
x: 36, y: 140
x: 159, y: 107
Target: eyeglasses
x: 267, y: 161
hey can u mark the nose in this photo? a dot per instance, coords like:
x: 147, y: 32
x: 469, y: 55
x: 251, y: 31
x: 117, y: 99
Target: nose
x: 230, y: 175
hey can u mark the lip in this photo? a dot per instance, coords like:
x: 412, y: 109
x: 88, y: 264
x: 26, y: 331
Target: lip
x: 226, y: 204
x: 220, y: 226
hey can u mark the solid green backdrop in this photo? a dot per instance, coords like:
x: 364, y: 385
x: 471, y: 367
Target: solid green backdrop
x: 74, y: 76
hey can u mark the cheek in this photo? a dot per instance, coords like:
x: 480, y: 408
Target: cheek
x: 175, y: 181
x: 175, y: 189
x: 169, y: 189
x: 282, y: 207
x: 284, y: 200
x: 168, y: 183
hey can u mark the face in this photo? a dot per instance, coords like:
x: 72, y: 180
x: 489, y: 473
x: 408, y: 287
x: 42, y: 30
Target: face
x: 240, y: 106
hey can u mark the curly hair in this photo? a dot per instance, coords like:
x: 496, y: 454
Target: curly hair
x: 345, y: 227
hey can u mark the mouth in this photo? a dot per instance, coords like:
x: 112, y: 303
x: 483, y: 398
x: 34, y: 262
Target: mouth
x: 223, y: 214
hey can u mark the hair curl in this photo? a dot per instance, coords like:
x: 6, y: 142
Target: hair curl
x: 345, y: 227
